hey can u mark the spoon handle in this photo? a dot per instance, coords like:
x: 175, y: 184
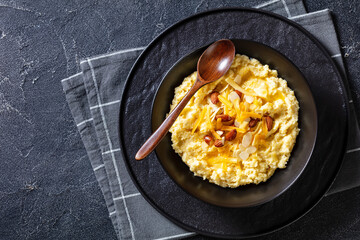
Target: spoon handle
x: 159, y: 134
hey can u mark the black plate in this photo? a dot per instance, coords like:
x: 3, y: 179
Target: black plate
x: 299, y: 47
x: 250, y: 195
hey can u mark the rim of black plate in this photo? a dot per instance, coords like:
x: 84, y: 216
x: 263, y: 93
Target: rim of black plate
x: 158, y: 38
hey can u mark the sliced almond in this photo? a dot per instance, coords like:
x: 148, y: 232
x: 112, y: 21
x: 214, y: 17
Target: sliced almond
x: 233, y: 96
x: 241, y: 147
x: 247, y: 139
x: 251, y: 149
x: 244, y: 155
x: 220, y: 132
x: 236, y: 153
x: 249, y: 99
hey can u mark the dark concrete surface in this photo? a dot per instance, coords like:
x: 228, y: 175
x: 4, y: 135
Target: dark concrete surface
x: 48, y: 189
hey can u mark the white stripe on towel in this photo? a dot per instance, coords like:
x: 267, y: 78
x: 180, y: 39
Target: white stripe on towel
x: 104, y: 104
x: 110, y: 146
x: 83, y: 122
x: 111, y: 151
x: 126, y: 196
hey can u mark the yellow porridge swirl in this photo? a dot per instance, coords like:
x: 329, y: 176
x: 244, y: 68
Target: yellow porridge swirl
x: 239, y: 129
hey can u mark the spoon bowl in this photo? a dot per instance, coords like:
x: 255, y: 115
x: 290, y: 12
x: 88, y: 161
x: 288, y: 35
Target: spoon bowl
x: 212, y: 65
x: 215, y: 61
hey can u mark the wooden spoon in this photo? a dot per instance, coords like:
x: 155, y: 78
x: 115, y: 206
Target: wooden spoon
x: 212, y: 65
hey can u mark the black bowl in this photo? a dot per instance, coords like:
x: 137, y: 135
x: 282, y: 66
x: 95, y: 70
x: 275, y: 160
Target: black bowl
x: 249, y: 195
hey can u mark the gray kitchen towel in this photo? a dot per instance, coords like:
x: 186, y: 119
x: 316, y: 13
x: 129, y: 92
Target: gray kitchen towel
x: 94, y: 94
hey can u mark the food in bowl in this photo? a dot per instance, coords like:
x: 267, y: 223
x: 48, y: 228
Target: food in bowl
x: 239, y: 129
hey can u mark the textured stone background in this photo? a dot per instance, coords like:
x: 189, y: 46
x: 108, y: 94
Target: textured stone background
x: 48, y: 189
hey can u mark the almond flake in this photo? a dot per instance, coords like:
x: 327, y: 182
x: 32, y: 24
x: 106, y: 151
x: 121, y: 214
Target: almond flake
x: 236, y: 153
x: 251, y: 149
x: 247, y: 139
x: 233, y: 96
x: 220, y: 132
x: 241, y: 148
x: 249, y: 99
x: 244, y: 155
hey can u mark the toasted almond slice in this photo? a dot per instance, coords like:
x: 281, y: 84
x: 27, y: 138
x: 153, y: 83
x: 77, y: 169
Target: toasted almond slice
x: 220, y: 132
x: 241, y: 148
x: 236, y: 153
x: 249, y: 99
x: 236, y: 124
x: 244, y: 155
x: 251, y: 149
x: 233, y: 96
x: 247, y: 139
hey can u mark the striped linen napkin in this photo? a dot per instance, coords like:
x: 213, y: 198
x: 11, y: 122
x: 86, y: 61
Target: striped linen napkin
x: 93, y: 96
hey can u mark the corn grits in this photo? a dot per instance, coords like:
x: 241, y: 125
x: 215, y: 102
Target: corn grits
x: 239, y: 129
